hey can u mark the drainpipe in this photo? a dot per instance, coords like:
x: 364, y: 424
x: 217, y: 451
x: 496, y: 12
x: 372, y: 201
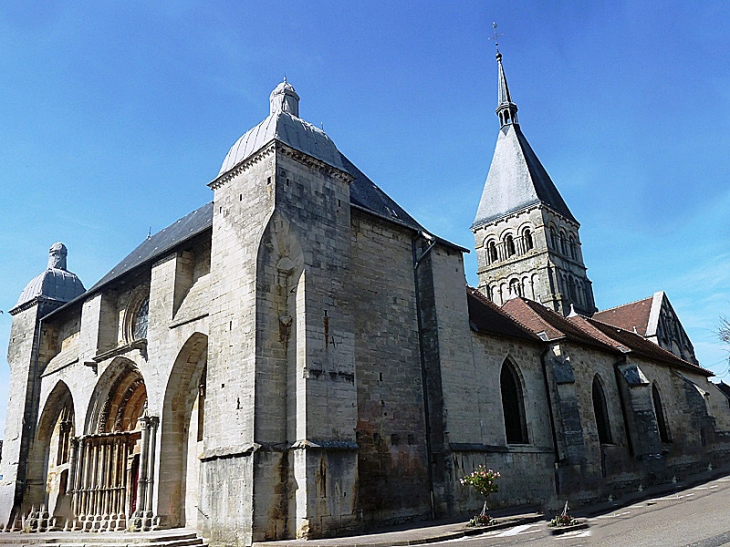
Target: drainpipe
x: 553, y: 432
x: 617, y: 374
x: 424, y: 376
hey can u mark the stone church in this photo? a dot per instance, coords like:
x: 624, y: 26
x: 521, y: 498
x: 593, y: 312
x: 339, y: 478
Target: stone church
x: 301, y: 358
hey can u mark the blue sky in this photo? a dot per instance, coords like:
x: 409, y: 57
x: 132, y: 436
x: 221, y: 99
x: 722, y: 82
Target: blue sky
x: 115, y: 115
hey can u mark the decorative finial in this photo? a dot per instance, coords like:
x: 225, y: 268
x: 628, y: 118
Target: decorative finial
x: 284, y: 77
x: 495, y: 37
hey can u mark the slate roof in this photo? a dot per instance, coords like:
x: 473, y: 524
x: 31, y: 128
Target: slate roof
x: 516, y: 180
x: 54, y: 284
x: 364, y: 194
x: 485, y: 317
x: 628, y: 316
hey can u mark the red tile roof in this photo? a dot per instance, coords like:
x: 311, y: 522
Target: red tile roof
x: 628, y: 316
x: 540, y: 319
x: 486, y: 317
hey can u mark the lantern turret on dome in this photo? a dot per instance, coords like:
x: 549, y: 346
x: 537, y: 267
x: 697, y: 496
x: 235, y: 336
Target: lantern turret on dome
x: 56, y: 283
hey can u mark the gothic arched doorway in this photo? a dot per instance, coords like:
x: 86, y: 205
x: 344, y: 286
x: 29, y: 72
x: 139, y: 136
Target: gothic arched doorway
x: 115, y: 458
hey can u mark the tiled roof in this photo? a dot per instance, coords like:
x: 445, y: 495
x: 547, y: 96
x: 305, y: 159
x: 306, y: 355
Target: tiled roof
x: 628, y: 316
x: 485, y: 317
x: 540, y: 319
x: 641, y: 346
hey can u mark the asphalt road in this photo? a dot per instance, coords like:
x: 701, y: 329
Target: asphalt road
x: 696, y: 517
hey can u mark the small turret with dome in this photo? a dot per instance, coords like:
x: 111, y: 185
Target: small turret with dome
x: 284, y: 124
x: 56, y: 283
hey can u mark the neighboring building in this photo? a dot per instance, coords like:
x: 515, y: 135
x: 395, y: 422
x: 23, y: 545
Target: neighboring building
x: 301, y: 358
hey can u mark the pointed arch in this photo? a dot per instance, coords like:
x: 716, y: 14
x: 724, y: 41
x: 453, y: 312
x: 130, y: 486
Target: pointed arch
x: 182, y: 426
x: 600, y: 411
x: 118, y: 400
x: 49, y: 458
x: 661, y: 419
x: 513, y: 404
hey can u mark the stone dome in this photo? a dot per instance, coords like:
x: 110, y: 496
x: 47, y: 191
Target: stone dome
x: 56, y: 282
x: 284, y: 124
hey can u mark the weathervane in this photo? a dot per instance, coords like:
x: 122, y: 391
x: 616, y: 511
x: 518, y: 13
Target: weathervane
x: 495, y: 36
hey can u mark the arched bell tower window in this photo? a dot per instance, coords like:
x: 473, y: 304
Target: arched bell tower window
x: 513, y: 405
x: 527, y: 239
x: 553, y: 238
x: 515, y: 287
x: 573, y: 250
x: 563, y: 248
x: 600, y: 410
x: 661, y: 420
x: 492, y: 247
x: 509, y: 245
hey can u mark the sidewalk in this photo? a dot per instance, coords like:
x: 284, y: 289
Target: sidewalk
x: 417, y: 533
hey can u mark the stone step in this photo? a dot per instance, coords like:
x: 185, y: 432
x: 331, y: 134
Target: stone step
x: 184, y: 538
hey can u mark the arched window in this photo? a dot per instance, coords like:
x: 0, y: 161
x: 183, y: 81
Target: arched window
x: 563, y: 248
x: 140, y: 320
x: 515, y: 288
x: 509, y: 245
x: 571, y: 289
x: 513, y: 405
x: 527, y: 239
x: 600, y: 410
x: 553, y: 239
x: 492, y: 252
x: 661, y: 420
x: 573, y: 250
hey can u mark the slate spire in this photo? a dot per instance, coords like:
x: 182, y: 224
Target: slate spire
x: 507, y: 110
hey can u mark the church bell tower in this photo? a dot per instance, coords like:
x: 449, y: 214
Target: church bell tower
x: 527, y: 240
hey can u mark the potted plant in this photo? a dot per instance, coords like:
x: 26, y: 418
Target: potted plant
x: 484, y: 481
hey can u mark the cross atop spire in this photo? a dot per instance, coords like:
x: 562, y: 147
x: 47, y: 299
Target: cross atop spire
x: 495, y: 37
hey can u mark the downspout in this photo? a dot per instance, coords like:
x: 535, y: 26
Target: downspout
x: 424, y: 376
x: 553, y: 432
x: 622, y: 401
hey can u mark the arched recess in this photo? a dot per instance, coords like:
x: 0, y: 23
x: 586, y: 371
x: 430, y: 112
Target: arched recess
x: 119, y: 399
x: 513, y: 404
x: 661, y: 419
x: 600, y: 411
x: 110, y: 480
x: 50, y: 462
x: 281, y: 297
x: 183, y: 418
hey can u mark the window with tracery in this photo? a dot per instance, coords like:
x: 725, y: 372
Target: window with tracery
x: 141, y: 318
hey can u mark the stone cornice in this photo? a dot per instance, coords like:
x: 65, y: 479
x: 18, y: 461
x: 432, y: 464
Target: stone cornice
x: 309, y: 161
x: 243, y: 165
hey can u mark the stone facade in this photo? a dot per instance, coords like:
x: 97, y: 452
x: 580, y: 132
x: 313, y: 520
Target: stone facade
x: 301, y: 358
